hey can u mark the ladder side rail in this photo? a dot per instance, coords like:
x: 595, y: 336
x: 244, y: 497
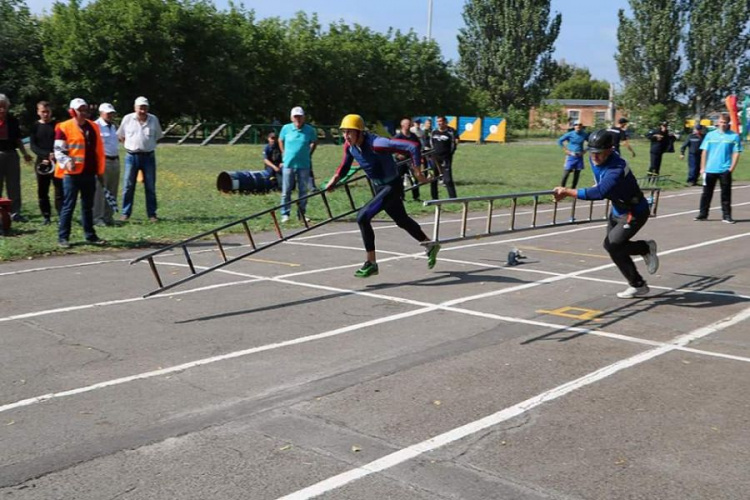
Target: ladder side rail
x: 231, y: 260
x: 471, y: 199
x: 229, y: 225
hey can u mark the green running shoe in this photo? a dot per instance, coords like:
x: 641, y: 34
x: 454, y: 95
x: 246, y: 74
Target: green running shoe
x: 369, y: 269
x: 432, y: 252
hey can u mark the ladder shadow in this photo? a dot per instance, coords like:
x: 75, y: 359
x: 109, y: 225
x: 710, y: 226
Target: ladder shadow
x: 632, y: 308
x: 463, y: 277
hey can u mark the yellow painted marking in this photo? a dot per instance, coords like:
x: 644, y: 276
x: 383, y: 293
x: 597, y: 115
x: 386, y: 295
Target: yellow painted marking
x: 290, y: 264
x: 598, y: 256
x: 573, y: 312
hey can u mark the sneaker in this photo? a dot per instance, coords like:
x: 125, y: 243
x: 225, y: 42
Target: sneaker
x: 367, y: 270
x: 96, y: 241
x: 651, y: 259
x: 432, y: 252
x: 124, y: 218
x: 100, y: 223
x: 701, y: 217
x: 16, y: 217
x: 728, y: 220
x: 153, y: 219
x: 284, y: 218
x: 632, y: 292
x: 63, y: 243
x: 47, y: 221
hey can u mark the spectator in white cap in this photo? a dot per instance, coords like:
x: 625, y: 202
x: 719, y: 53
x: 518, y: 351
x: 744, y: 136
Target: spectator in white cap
x: 103, y: 214
x: 139, y: 132
x: 10, y: 166
x: 79, y: 153
x: 297, y: 141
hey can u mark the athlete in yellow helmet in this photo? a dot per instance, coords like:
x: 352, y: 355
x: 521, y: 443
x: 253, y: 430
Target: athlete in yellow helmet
x: 375, y: 156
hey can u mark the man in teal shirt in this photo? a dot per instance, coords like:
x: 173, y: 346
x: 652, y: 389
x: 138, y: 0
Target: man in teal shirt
x: 297, y: 142
x: 721, y: 151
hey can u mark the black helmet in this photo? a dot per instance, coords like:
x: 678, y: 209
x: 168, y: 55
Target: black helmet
x: 601, y: 140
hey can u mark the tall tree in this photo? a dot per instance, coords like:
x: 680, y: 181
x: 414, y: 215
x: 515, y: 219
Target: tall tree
x: 717, y: 52
x: 648, y: 51
x: 580, y: 85
x: 506, y: 49
x: 21, y: 64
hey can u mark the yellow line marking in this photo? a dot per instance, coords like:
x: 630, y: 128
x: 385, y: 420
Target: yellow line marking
x: 570, y: 312
x: 264, y: 261
x: 564, y: 252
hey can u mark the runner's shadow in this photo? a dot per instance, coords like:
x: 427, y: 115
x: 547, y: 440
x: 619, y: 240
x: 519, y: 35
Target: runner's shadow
x: 631, y: 308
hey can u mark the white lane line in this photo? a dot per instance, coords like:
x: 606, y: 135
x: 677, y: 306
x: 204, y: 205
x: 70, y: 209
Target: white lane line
x: 425, y: 307
x: 213, y: 359
x: 303, y: 238
x: 106, y: 303
x: 471, y: 428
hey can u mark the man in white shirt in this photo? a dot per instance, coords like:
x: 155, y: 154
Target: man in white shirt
x: 102, y: 211
x: 139, y: 132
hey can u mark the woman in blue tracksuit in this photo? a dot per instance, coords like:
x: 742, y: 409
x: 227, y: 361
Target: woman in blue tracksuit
x: 374, y: 155
x: 630, y: 211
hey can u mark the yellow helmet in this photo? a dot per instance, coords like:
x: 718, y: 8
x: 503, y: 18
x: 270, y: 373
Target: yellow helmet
x: 353, y: 122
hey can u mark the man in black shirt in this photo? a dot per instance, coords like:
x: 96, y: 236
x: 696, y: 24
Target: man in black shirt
x: 619, y: 134
x: 693, y: 145
x: 662, y: 140
x: 10, y: 167
x: 444, y: 143
x: 42, y: 142
x: 405, y: 134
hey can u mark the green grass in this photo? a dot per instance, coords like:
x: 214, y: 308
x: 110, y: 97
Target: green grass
x: 189, y: 202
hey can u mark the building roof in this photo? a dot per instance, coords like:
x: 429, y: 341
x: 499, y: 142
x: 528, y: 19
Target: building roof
x: 577, y: 102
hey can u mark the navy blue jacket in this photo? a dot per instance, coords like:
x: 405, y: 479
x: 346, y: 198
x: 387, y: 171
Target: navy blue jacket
x: 615, y: 182
x: 375, y: 157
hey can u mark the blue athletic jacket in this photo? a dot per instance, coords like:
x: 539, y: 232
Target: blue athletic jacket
x: 615, y: 181
x: 375, y: 157
x: 575, y: 141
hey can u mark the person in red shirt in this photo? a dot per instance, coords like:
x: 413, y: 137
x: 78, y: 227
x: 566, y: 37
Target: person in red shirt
x: 10, y: 166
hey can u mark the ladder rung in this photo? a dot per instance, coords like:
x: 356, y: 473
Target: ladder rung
x: 249, y: 236
x: 488, y: 228
x: 513, y: 205
x: 276, y: 224
x: 221, y: 247
x: 188, y: 259
x: 156, y: 273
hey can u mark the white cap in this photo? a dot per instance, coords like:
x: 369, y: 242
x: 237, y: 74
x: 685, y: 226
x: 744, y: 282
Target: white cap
x: 106, y: 107
x: 141, y: 101
x: 297, y: 111
x: 77, y: 103
x: 577, y: 122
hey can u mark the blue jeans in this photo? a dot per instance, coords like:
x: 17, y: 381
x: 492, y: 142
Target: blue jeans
x: 133, y: 163
x: 291, y: 176
x: 72, y: 185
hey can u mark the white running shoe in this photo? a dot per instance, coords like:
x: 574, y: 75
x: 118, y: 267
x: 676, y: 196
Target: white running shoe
x: 651, y: 259
x: 632, y: 292
x: 284, y: 218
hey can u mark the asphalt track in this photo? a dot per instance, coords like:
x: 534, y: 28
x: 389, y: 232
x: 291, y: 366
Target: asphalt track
x: 283, y: 376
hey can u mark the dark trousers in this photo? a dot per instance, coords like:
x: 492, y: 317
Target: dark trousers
x: 10, y: 176
x: 72, y: 185
x: 576, y: 176
x: 42, y: 190
x: 388, y: 198
x: 725, y: 181
x: 655, y: 163
x: 444, y: 165
x: 694, y: 167
x: 620, y: 248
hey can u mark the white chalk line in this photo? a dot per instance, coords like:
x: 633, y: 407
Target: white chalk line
x: 425, y: 307
x: 446, y: 438
x: 323, y: 235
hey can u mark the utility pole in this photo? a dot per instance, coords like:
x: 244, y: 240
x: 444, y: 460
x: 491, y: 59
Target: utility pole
x: 429, y: 19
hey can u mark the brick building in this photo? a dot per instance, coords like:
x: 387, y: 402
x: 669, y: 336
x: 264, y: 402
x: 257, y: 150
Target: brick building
x: 588, y: 111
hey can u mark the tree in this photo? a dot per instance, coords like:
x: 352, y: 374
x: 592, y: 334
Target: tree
x: 717, y: 52
x: 580, y: 85
x: 21, y: 65
x: 647, y: 51
x: 506, y: 49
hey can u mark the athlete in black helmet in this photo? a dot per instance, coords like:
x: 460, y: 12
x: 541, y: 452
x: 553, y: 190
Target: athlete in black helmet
x: 630, y: 211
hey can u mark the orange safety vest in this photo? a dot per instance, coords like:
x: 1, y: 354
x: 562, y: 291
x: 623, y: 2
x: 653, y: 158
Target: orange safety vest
x: 77, y: 148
